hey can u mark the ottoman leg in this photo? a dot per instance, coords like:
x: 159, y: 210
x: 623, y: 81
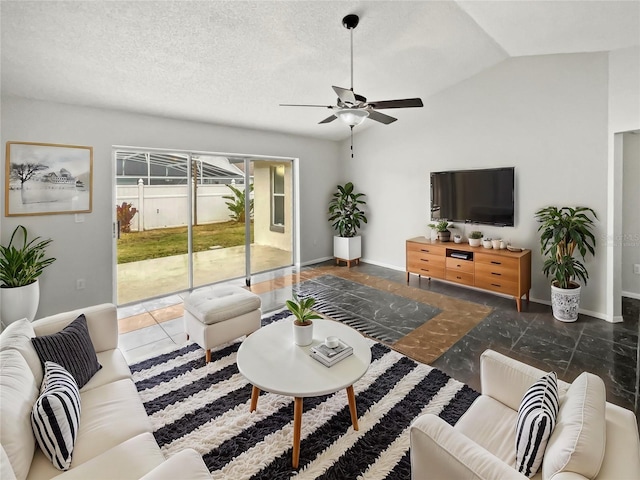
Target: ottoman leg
x: 207, y: 356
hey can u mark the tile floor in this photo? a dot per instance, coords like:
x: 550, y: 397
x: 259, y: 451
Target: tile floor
x: 533, y: 335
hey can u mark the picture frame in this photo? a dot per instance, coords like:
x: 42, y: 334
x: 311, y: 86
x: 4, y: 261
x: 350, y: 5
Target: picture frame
x: 47, y: 179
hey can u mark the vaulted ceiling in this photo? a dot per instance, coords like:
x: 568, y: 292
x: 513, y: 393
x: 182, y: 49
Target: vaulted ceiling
x: 234, y: 62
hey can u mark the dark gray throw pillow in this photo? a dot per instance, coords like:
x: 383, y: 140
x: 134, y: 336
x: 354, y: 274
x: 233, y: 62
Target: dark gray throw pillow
x: 71, y: 348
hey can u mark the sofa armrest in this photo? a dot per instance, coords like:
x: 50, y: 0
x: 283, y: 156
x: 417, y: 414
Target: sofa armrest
x: 506, y: 380
x: 102, y: 321
x: 439, y: 451
x: 185, y: 464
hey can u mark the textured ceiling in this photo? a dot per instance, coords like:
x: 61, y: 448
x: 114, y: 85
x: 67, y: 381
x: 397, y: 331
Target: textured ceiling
x: 233, y: 62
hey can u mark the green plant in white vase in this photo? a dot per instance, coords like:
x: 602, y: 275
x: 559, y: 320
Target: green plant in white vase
x: 442, y: 227
x: 303, y: 325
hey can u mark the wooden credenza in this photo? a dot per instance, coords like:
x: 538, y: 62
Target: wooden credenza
x: 498, y: 271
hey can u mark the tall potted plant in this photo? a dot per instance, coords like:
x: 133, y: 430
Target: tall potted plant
x: 347, y: 216
x: 20, y: 268
x: 302, y: 326
x: 565, y: 230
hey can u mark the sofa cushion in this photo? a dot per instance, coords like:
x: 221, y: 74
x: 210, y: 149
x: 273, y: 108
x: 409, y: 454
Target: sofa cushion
x: 6, y: 472
x: 577, y: 444
x: 72, y: 349
x: 18, y: 393
x: 536, y: 420
x: 490, y: 424
x: 55, y: 417
x: 114, y: 368
x: 18, y: 336
x: 128, y: 460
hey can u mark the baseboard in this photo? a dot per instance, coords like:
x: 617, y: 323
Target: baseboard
x: 311, y: 262
x: 633, y: 295
x: 381, y: 264
x: 591, y: 313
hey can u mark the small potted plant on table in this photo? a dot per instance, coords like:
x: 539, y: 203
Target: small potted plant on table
x: 302, y: 326
x: 442, y: 227
x: 563, y: 231
x: 475, y: 238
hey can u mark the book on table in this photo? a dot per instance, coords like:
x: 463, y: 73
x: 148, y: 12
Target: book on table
x: 330, y: 356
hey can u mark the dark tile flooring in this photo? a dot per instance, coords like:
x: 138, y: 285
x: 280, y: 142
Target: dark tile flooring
x: 535, y: 337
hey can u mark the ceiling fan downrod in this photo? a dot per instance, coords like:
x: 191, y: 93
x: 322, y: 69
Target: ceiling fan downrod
x: 350, y: 22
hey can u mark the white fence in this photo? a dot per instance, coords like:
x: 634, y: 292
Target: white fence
x: 161, y: 206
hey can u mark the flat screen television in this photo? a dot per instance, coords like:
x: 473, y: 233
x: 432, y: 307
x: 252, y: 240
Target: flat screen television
x: 474, y: 196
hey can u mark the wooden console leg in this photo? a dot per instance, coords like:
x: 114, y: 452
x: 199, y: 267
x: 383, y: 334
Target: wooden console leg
x: 352, y: 407
x: 297, y: 426
x: 255, y: 393
x: 519, y: 303
x: 207, y: 356
x: 527, y: 297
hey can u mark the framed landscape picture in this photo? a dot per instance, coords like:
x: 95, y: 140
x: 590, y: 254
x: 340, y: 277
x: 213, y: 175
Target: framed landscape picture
x: 47, y: 179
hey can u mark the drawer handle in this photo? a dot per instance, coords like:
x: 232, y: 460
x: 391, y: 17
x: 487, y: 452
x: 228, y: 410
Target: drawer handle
x: 425, y: 269
x: 496, y: 263
x: 424, y: 250
x: 424, y: 260
x: 459, y: 278
x: 496, y: 284
x: 496, y: 273
x: 458, y: 265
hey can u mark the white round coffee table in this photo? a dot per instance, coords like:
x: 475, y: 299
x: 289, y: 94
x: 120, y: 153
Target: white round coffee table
x: 270, y: 361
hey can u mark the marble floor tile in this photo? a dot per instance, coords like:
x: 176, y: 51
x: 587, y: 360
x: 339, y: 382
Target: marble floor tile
x: 135, y: 322
x: 144, y: 336
x: 168, y: 313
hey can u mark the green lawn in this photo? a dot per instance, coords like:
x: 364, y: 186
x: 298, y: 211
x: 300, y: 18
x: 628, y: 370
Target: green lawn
x: 165, y: 242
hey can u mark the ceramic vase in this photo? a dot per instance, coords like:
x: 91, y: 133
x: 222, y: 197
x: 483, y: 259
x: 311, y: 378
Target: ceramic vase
x: 303, y: 334
x: 19, y: 302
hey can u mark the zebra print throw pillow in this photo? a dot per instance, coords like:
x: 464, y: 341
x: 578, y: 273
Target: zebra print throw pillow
x: 55, y: 417
x: 536, y: 419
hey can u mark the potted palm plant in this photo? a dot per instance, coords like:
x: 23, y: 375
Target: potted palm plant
x: 442, y: 227
x: 565, y: 230
x: 20, y: 268
x: 302, y: 326
x: 347, y: 216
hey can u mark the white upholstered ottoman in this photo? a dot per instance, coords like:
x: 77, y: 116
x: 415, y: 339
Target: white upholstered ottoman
x: 220, y: 314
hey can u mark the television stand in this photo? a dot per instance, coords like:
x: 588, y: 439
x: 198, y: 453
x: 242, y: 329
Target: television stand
x: 499, y: 271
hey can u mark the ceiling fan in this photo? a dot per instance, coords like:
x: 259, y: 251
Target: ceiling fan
x: 352, y: 108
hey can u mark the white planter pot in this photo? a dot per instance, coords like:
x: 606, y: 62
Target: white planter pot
x: 347, y: 248
x: 19, y: 302
x: 565, y: 303
x: 302, y: 334
x: 475, y: 242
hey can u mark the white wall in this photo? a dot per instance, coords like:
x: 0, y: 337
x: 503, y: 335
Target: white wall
x: 84, y: 250
x: 630, y: 216
x: 545, y: 115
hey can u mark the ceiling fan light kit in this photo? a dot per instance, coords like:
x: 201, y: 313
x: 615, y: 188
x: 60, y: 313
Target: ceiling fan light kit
x: 352, y: 108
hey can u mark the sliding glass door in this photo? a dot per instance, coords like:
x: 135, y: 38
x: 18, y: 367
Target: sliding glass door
x: 189, y: 219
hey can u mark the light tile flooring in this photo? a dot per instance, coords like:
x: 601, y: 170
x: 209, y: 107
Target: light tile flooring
x: 451, y: 341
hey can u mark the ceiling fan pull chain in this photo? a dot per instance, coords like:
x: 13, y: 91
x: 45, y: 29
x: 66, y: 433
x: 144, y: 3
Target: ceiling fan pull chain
x: 351, y: 140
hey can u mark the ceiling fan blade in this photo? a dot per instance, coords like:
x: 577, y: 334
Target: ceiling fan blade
x: 381, y: 117
x: 347, y: 96
x: 329, y: 119
x: 404, y: 103
x: 300, y: 105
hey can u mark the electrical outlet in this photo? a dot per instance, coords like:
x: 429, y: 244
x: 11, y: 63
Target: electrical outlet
x: 80, y: 284
x: 636, y: 269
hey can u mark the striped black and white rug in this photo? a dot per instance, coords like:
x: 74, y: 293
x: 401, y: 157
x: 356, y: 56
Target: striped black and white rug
x: 206, y: 407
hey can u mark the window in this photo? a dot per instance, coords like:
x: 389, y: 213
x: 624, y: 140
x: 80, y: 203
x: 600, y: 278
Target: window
x: 277, y: 199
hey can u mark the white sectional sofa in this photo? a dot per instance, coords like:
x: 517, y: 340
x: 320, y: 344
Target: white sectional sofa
x: 592, y: 438
x: 114, y: 439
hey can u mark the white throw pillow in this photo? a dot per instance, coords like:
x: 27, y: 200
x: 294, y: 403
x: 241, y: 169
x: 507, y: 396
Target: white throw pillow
x: 55, y: 418
x: 536, y: 420
x: 578, y: 442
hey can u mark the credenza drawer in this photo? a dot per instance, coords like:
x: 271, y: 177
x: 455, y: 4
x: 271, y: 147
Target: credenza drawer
x: 458, y: 265
x: 426, y: 248
x: 424, y: 259
x: 427, y: 270
x: 496, y: 260
x: 460, y: 277
x: 496, y: 272
x: 497, y: 285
